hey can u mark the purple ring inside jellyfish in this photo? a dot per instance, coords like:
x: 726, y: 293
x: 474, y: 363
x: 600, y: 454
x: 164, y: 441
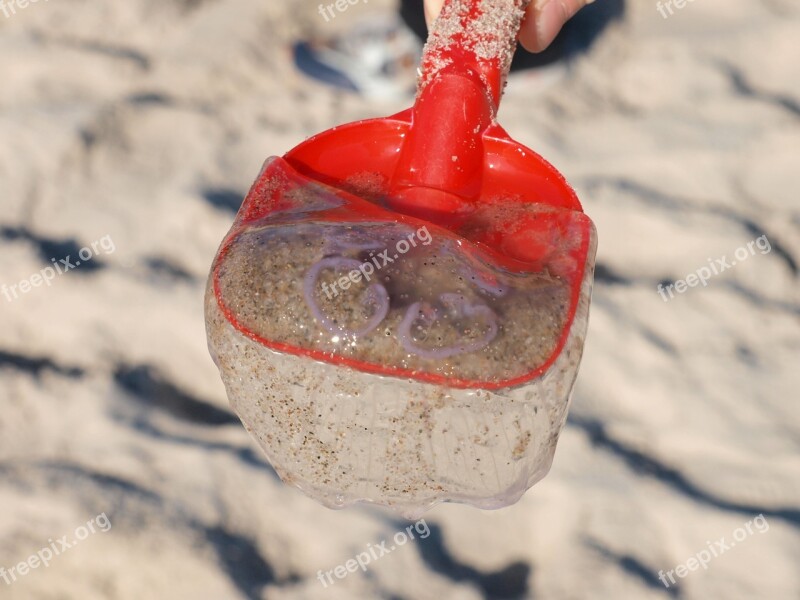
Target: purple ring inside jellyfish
x: 376, y: 295
x: 428, y: 314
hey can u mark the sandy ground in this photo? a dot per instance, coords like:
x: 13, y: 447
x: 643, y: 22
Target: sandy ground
x: 139, y: 125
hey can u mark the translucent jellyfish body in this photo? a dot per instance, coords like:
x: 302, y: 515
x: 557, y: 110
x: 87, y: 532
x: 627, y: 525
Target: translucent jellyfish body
x: 381, y: 358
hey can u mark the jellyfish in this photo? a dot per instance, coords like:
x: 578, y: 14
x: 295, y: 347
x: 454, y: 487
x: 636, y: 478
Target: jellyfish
x: 372, y: 367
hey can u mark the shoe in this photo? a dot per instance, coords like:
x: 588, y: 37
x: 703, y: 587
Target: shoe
x: 377, y: 59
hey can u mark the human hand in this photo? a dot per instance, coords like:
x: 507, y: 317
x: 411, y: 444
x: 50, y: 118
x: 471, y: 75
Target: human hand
x: 543, y: 20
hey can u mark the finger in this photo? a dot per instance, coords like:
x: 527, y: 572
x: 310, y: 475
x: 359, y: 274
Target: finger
x: 544, y: 20
x: 432, y: 10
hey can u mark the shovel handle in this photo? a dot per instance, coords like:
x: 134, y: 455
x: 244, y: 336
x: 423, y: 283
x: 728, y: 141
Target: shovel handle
x: 464, y: 66
x: 474, y: 37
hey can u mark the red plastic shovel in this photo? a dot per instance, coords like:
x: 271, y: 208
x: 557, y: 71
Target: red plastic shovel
x: 398, y: 311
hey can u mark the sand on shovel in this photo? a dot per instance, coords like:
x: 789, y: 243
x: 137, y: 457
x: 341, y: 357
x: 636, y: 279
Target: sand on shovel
x: 492, y: 37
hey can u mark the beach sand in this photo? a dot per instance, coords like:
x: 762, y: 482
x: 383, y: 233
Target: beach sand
x: 144, y: 123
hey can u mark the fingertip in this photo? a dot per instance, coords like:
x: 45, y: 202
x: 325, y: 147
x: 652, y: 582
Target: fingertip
x: 432, y: 10
x: 543, y: 21
x: 528, y: 34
